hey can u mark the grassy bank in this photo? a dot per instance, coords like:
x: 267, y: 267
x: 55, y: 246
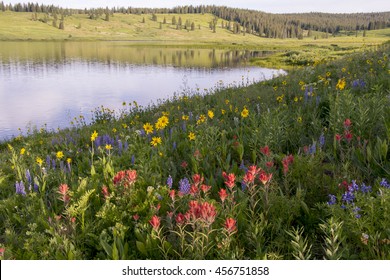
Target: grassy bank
x: 292, y: 168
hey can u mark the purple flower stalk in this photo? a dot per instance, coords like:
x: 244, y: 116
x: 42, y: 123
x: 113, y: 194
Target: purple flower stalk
x: 332, y: 199
x: 169, y: 181
x: 184, y: 186
x: 20, y: 189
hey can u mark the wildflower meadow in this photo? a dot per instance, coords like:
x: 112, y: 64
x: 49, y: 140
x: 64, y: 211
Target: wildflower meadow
x: 296, y: 167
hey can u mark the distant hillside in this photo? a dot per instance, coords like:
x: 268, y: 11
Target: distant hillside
x: 234, y: 20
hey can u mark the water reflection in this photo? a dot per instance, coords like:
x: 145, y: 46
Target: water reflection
x: 50, y: 83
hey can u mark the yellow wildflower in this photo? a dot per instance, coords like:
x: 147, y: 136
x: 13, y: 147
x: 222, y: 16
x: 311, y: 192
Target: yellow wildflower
x: 223, y: 111
x: 155, y: 141
x: 60, y: 155
x: 299, y: 120
x: 108, y: 147
x: 244, y: 112
x: 295, y: 99
x: 39, y: 161
x: 69, y: 160
x: 162, y: 122
x: 94, y: 136
x: 191, y: 136
x: 185, y: 117
x: 202, y: 118
x: 148, y: 128
x: 341, y: 84
x: 210, y: 114
x: 22, y: 151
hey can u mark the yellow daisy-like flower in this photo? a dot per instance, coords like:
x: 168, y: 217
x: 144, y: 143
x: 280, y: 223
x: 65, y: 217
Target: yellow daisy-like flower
x: 22, y: 151
x: 202, y: 119
x: 343, y: 69
x: 108, y: 147
x: 69, y: 160
x: 284, y: 83
x: 60, y: 155
x: 296, y: 99
x: 155, y: 141
x: 280, y: 98
x: 94, y: 136
x: 341, y: 84
x: 162, y: 122
x: 114, y: 130
x: 210, y: 114
x: 185, y: 117
x: 39, y: 161
x: 328, y: 74
x: 301, y: 83
x: 148, y: 128
x: 244, y: 113
x: 299, y: 120
x: 223, y: 111
x: 191, y: 136
x: 124, y: 125
x: 227, y: 101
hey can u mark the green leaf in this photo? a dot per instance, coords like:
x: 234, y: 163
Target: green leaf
x: 141, y: 247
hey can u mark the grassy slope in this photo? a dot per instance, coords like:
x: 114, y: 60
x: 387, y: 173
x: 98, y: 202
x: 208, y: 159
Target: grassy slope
x: 130, y: 27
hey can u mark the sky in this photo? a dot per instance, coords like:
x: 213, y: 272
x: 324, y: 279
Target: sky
x: 271, y: 6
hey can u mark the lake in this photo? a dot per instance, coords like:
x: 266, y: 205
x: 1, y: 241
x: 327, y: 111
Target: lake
x: 50, y: 83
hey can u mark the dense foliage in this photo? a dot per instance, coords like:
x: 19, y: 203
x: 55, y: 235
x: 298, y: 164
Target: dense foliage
x: 292, y: 168
x: 239, y: 20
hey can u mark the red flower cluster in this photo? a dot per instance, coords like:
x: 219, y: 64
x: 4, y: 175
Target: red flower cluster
x: 223, y: 194
x: 230, y: 179
x: 230, y: 225
x: 63, y: 190
x: 265, y: 151
x: 155, y: 222
x: 287, y: 160
x: 126, y: 178
x: 105, y: 191
x: 264, y: 177
x: 198, y: 211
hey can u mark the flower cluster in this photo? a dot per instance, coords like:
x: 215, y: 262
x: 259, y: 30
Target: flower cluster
x: 125, y: 177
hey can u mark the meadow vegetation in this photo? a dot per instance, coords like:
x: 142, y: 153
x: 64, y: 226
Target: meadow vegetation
x: 296, y: 167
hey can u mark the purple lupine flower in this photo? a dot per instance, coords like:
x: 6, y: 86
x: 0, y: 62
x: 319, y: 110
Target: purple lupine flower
x: 384, y: 183
x: 243, y: 167
x: 332, y: 199
x: 243, y: 185
x: 184, y: 186
x: 48, y: 161
x: 120, y: 147
x: 169, y: 181
x: 20, y: 189
x: 28, y: 176
x: 184, y: 126
x: 312, y: 149
x: 53, y: 163
x: 322, y: 140
x: 365, y: 189
x: 174, y: 145
x: 348, y: 197
x: 132, y: 159
x: 356, y: 211
x: 354, y: 187
x: 36, y: 188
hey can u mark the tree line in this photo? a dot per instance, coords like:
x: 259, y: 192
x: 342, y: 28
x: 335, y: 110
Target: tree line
x: 239, y: 20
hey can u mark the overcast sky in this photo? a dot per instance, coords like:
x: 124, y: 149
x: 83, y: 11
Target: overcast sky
x: 272, y: 6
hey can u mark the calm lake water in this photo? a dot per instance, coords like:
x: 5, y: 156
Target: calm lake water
x: 46, y: 83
